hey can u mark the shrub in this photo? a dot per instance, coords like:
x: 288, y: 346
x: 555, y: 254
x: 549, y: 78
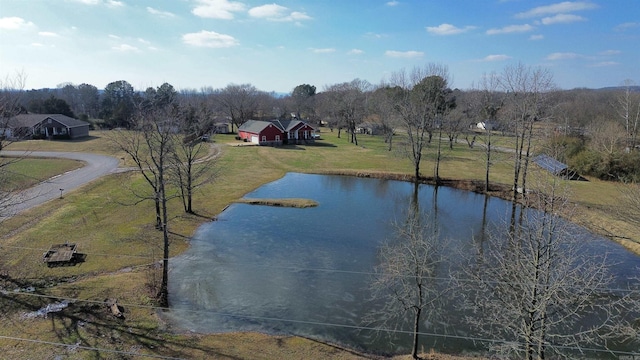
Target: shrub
x: 618, y: 166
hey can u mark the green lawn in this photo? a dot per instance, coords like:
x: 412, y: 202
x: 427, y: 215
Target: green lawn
x: 118, y: 236
x: 27, y: 172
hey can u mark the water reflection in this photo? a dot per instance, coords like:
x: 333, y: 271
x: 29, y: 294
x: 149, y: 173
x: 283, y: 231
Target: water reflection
x: 308, y: 271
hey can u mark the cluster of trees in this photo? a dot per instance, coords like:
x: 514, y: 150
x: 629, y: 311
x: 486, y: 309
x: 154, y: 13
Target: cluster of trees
x: 166, y: 145
x: 530, y: 290
x: 594, y: 131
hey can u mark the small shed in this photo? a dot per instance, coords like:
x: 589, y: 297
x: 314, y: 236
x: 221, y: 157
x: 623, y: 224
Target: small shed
x: 556, y: 167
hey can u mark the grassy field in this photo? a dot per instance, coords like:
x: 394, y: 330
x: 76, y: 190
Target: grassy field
x: 26, y: 173
x: 122, y: 247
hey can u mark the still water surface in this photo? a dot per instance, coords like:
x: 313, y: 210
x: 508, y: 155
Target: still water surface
x: 307, y: 271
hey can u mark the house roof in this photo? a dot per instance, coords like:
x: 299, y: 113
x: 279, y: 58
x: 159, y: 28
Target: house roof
x: 290, y: 124
x: 31, y: 120
x: 255, y: 126
x: 550, y: 164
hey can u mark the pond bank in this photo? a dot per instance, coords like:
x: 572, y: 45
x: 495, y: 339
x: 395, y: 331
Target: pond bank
x: 584, y: 217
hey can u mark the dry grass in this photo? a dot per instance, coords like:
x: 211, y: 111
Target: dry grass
x: 28, y: 172
x: 120, y: 243
x: 289, y: 202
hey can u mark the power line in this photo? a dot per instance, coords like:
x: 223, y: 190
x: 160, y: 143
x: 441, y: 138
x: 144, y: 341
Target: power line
x: 327, y: 270
x: 93, y: 254
x: 327, y: 324
x: 82, y: 347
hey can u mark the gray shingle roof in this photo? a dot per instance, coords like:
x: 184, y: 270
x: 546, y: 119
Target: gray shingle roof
x: 255, y: 126
x: 30, y: 120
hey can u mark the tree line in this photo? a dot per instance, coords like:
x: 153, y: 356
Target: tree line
x: 594, y: 131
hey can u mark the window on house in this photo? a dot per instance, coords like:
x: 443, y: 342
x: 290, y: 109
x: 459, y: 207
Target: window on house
x: 264, y: 138
x: 277, y: 137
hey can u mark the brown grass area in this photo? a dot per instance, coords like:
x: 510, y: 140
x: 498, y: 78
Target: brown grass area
x: 291, y: 202
x: 107, y: 224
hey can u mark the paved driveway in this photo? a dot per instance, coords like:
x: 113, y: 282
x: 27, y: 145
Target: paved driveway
x: 95, y: 167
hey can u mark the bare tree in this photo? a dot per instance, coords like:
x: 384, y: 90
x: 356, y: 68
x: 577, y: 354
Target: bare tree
x: 627, y: 106
x: 629, y: 207
x: 238, y: 102
x: 150, y: 145
x: 487, y: 104
x: 347, y: 102
x: 606, y: 137
x: 381, y: 105
x: 626, y: 327
x: 442, y: 102
x: 11, y: 89
x: 418, y: 105
x: 535, y: 289
x: 405, y: 279
x: 457, y: 120
x: 528, y: 89
x: 191, y: 146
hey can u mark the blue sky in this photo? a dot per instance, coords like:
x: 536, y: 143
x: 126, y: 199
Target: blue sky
x: 278, y: 45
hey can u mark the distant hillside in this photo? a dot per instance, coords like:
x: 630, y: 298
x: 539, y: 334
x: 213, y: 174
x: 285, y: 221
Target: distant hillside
x: 620, y: 88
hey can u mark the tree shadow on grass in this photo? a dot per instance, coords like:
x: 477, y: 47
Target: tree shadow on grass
x: 89, y: 326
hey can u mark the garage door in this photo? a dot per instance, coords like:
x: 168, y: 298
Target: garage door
x: 254, y: 139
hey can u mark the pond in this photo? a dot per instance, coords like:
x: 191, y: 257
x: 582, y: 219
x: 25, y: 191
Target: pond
x: 308, y: 271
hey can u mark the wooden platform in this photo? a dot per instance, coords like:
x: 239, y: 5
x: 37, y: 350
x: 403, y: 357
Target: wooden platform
x: 60, y: 254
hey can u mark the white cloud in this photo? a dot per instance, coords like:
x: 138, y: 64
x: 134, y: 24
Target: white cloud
x: 627, y: 25
x: 37, y: 45
x: 125, y: 48
x: 355, y: 52
x: 110, y: 3
x: 563, y: 56
x: 562, y: 19
x: 217, y: 9
x: 558, y: 8
x: 114, y: 36
x: 375, y: 36
x: 323, y: 51
x: 143, y: 41
x: 165, y: 14
x: 448, y: 29
x: 511, y: 29
x: 210, y: 39
x: 48, y: 34
x: 536, y: 37
x: 497, y: 57
x: 296, y: 15
x: 275, y: 12
x: 404, y: 54
x: 610, y: 52
x: 88, y: 2
x: 393, y: 3
x: 14, y: 23
x: 268, y: 11
x: 604, y: 64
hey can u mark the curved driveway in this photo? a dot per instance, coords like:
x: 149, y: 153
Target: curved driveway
x: 95, y: 167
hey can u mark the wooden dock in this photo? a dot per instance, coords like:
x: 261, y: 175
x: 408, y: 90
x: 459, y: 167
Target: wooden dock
x: 60, y: 254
